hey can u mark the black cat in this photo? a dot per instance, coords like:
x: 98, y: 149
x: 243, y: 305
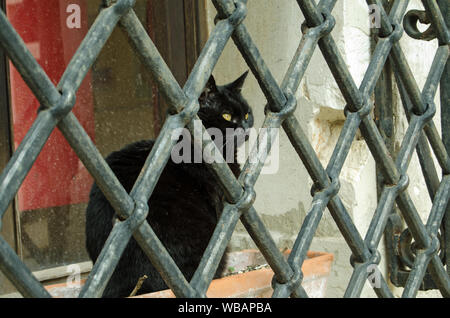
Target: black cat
x: 183, y: 206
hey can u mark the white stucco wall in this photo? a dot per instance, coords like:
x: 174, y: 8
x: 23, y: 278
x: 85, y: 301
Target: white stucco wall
x: 283, y: 199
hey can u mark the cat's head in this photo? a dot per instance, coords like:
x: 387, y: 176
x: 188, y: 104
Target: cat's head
x: 224, y: 107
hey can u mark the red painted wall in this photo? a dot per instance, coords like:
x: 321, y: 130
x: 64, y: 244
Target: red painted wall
x: 58, y: 177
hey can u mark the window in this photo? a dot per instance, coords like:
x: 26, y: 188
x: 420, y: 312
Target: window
x: 117, y: 104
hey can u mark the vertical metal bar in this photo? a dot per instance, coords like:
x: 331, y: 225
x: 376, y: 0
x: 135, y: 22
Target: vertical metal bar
x: 445, y: 125
x: 384, y: 118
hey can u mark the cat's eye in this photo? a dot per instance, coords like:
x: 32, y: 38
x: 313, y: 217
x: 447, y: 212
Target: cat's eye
x: 246, y: 116
x: 227, y: 117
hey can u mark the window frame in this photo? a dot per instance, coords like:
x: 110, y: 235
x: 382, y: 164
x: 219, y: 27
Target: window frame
x: 194, y: 21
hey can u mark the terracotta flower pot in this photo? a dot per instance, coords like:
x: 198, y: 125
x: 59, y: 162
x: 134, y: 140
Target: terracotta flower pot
x: 245, y: 283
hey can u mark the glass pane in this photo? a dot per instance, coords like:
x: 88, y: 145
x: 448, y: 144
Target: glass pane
x: 114, y: 105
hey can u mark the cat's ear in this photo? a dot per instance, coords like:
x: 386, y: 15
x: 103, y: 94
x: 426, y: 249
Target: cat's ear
x: 209, y: 89
x: 239, y: 83
x: 211, y: 86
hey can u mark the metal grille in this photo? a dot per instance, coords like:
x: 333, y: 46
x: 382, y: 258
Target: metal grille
x: 57, y: 102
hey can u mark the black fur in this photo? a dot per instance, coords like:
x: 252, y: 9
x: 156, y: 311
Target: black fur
x: 183, y: 206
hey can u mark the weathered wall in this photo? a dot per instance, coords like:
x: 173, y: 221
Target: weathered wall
x: 283, y: 199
